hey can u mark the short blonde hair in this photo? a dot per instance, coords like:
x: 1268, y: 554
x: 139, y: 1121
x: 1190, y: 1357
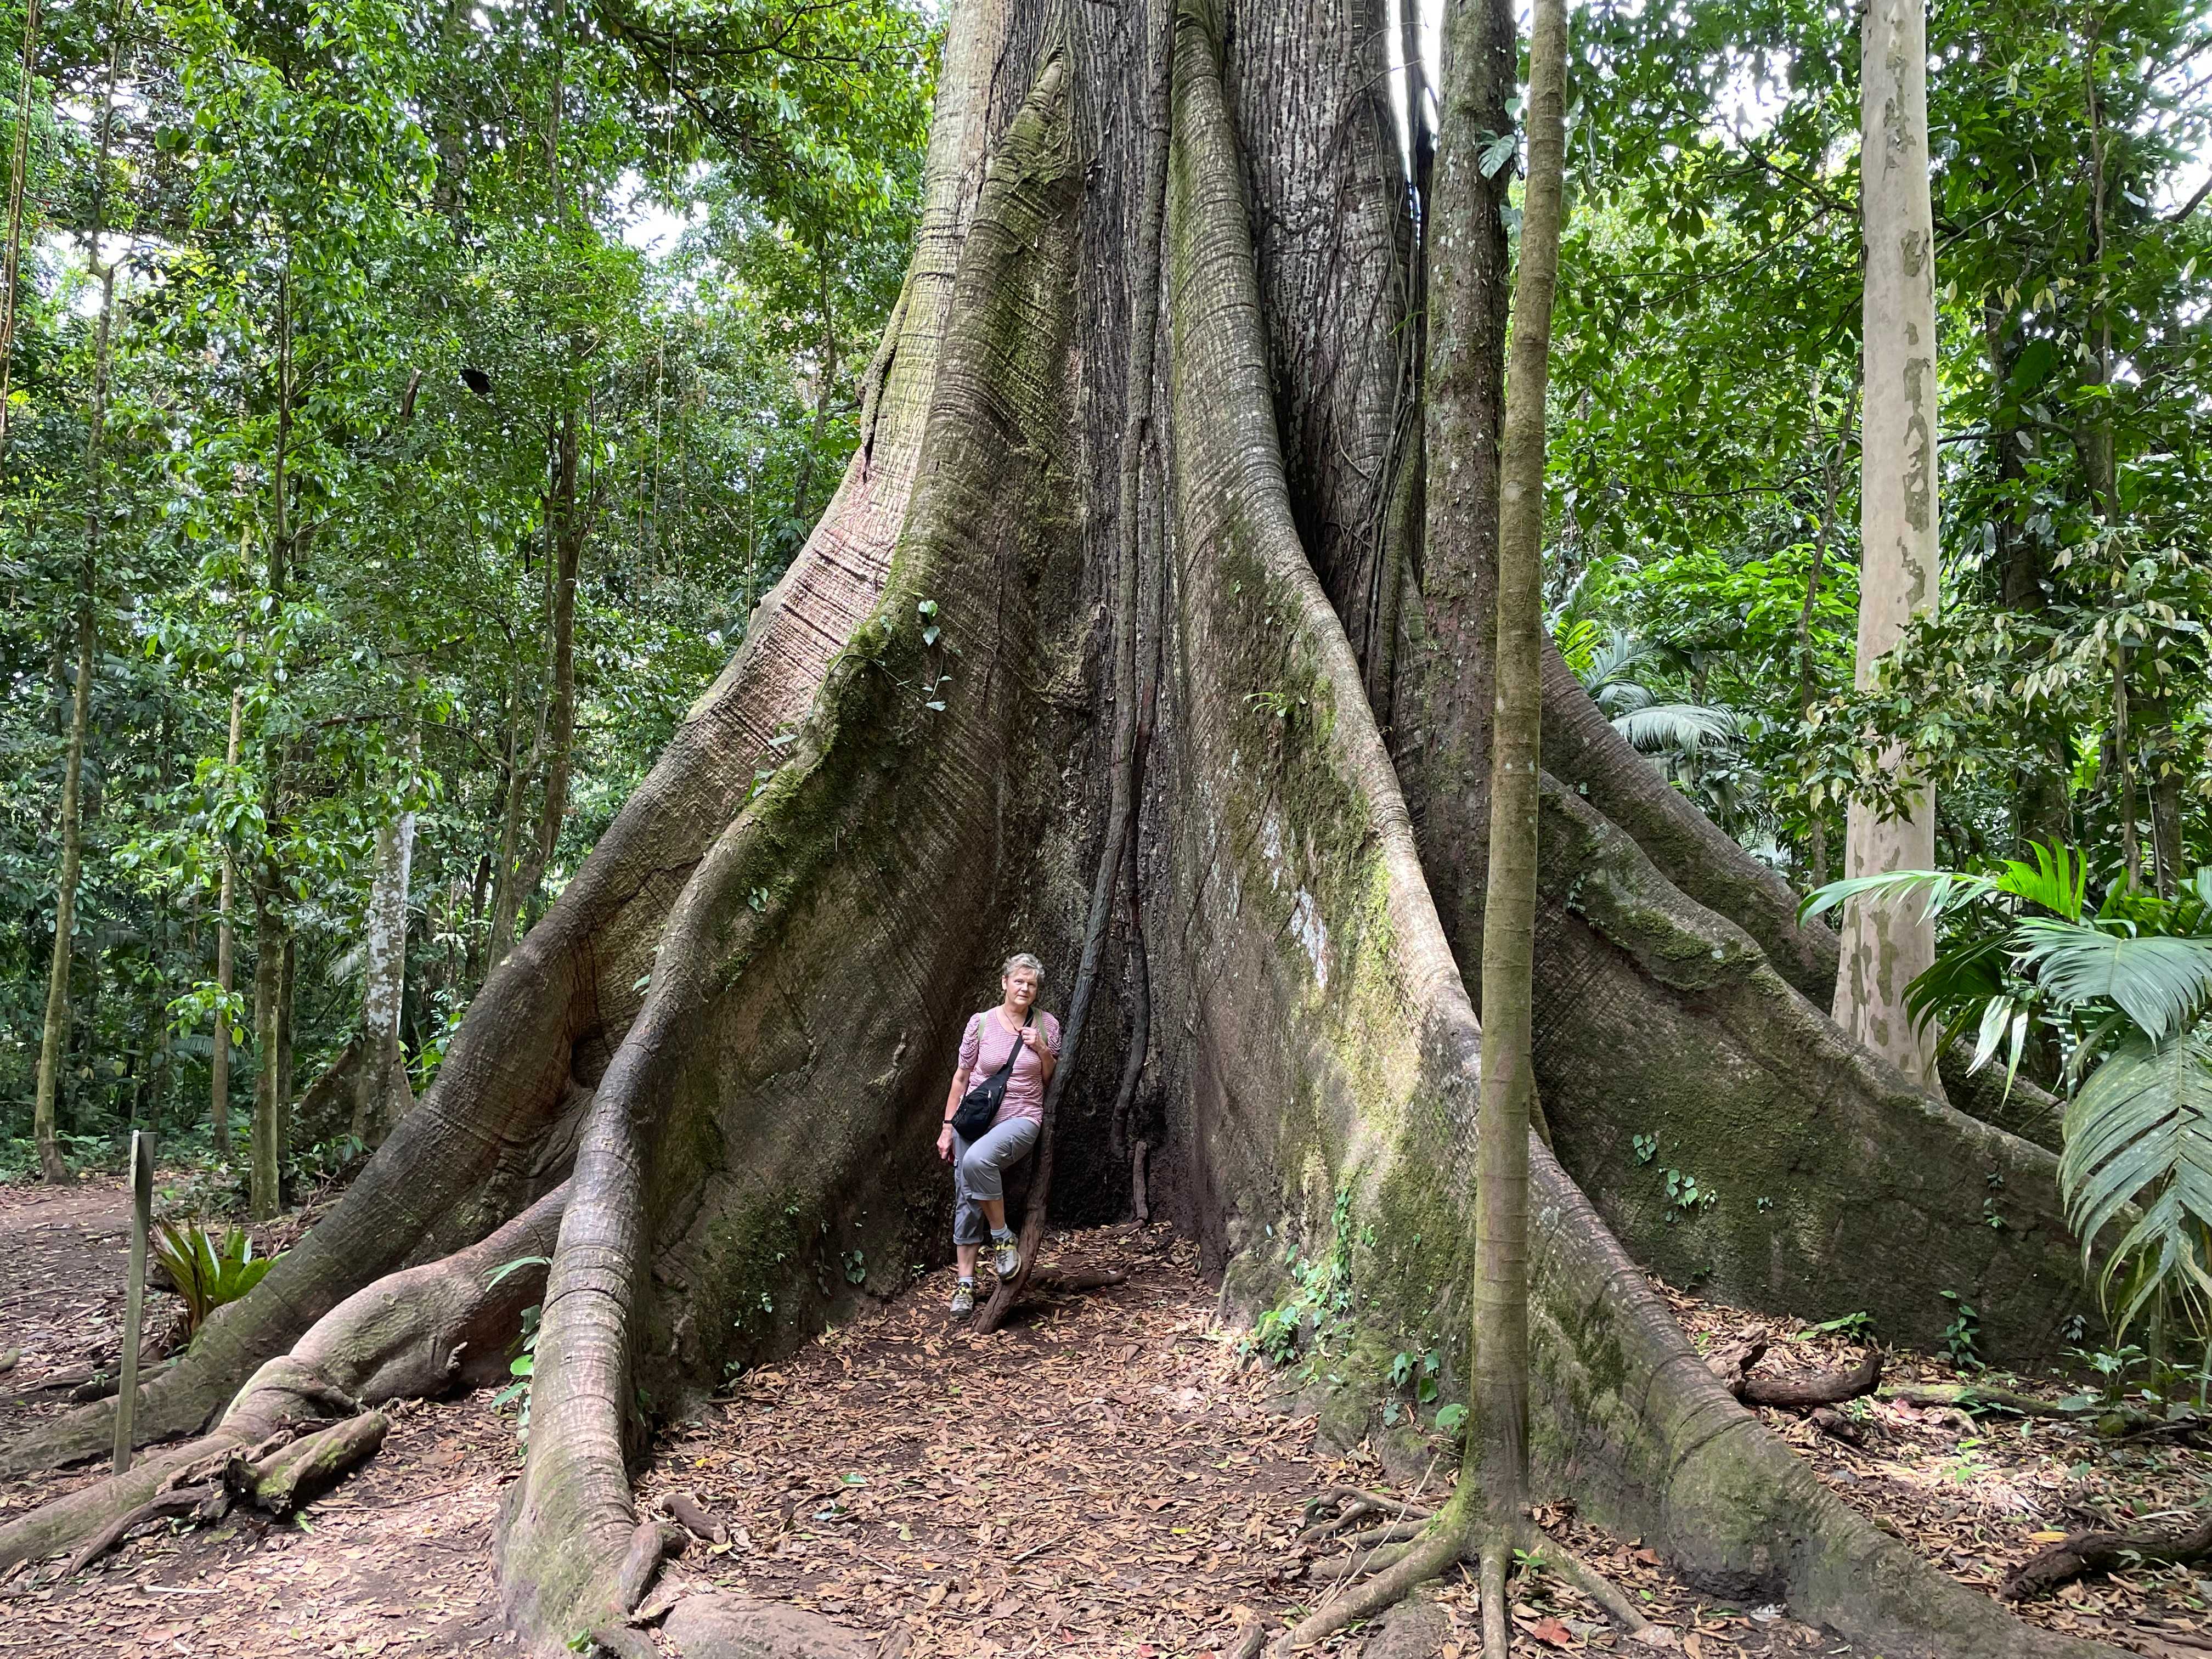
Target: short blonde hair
x: 1024, y: 959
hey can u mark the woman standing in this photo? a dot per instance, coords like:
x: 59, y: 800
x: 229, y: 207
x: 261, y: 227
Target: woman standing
x: 1020, y: 1028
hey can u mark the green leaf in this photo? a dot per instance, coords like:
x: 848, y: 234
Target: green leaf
x: 2161, y: 983
x: 2140, y: 1132
x: 1451, y: 1418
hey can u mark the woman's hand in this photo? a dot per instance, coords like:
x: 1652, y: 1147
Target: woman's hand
x: 945, y: 1143
x: 1033, y: 1040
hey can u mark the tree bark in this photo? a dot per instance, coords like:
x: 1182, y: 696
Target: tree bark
x: 1442, y: 715
x: 1832, y: 482
x: 1499, y: 1420
x: 1886, y: 943
x: 557, y: 722
x: 382, y: 1095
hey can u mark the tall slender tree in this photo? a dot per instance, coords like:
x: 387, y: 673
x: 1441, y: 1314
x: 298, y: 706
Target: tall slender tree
x: 53, y: 1038
x: 1886, y: 942
x: 18, y: 171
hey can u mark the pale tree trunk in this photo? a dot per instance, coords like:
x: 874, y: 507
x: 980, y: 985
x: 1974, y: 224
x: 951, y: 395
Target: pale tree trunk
x: 226, y: 947
x: 18, y: 169
x: 1832, y: 483
x: 1886, y: 943
x: 382, y: 1098
x: 1500, y: 1414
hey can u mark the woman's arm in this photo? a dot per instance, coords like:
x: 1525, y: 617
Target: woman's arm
x: 953, y: 1096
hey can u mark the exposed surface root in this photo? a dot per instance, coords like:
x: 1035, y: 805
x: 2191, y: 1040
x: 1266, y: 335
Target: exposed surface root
x: 2083, y: 1552
x: 415, y: 1333
x: 1802, y: 1391
x: 1421, y: 1562
x: 1979, y: 1496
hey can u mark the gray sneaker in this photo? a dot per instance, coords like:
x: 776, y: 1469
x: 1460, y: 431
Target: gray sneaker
x: 1006, y: 1257
x: 963, y: 1299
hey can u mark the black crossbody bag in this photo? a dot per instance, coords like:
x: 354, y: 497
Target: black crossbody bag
x: 980, y: 1105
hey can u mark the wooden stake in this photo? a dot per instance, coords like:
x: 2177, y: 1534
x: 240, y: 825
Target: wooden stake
x: 134, y: 1306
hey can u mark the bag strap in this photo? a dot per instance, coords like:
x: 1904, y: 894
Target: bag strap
x: 1006, y: 1071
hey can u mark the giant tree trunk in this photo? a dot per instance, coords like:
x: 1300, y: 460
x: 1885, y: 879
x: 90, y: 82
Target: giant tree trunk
x: 761, y: 1111
x: 1887, y: 942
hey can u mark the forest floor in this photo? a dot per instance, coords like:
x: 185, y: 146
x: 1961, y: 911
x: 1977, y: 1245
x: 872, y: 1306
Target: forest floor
x: 1109, y: 1475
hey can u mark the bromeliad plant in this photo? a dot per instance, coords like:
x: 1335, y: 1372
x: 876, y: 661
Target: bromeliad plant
x: 209, y: 1270
x: 2127, y: 992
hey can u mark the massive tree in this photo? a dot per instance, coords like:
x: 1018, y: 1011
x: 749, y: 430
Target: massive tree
x: 716, y: 1055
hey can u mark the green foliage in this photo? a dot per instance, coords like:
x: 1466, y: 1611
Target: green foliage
x: 522, y: 1363
x: 1962, y: 1336
x: 1316, y: 1307
x: 2139, y: 1131
x: 362, y: 298
x: 209, y: 1270
x: 2126, y: 992
x: 1852, y: 1326
x: 1685, y: 1197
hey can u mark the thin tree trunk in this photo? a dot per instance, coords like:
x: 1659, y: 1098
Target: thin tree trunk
x: 506, y: 890
x: 558, y: 720
x: 288, y: 984
x: 1501, y: 1288
x: 263, y: 1201
x: 2124, y: 772
x: 53, y: 1038
x: 1885, y: 944
x: 1832, y: 483
x: 2101, y: 455
x: 2166, y: 850
x: 18, y: 170
x: 225, y: 964
x: 385, y: 944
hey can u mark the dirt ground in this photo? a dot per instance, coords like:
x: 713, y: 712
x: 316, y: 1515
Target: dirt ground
x: 1107, y: 1476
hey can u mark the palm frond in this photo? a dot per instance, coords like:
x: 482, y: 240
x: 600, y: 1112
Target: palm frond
x: 1947, y: 890
x: 2058, y: 880
x: 2140, y: 1132
x: 2161, y: 983
x: 1611, y: 662
x: 1675, y: 728
x: 1578, y: 641
x: 1953, y: 988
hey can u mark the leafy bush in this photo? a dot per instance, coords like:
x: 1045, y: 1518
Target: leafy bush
x: 2126, y: 992
x: 207, y: 1271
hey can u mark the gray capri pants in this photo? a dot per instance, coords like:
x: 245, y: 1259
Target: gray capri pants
x: 979, y: 1170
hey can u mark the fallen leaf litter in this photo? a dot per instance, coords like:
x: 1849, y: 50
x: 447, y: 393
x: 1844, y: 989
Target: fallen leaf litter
x: 1107, y: 1476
